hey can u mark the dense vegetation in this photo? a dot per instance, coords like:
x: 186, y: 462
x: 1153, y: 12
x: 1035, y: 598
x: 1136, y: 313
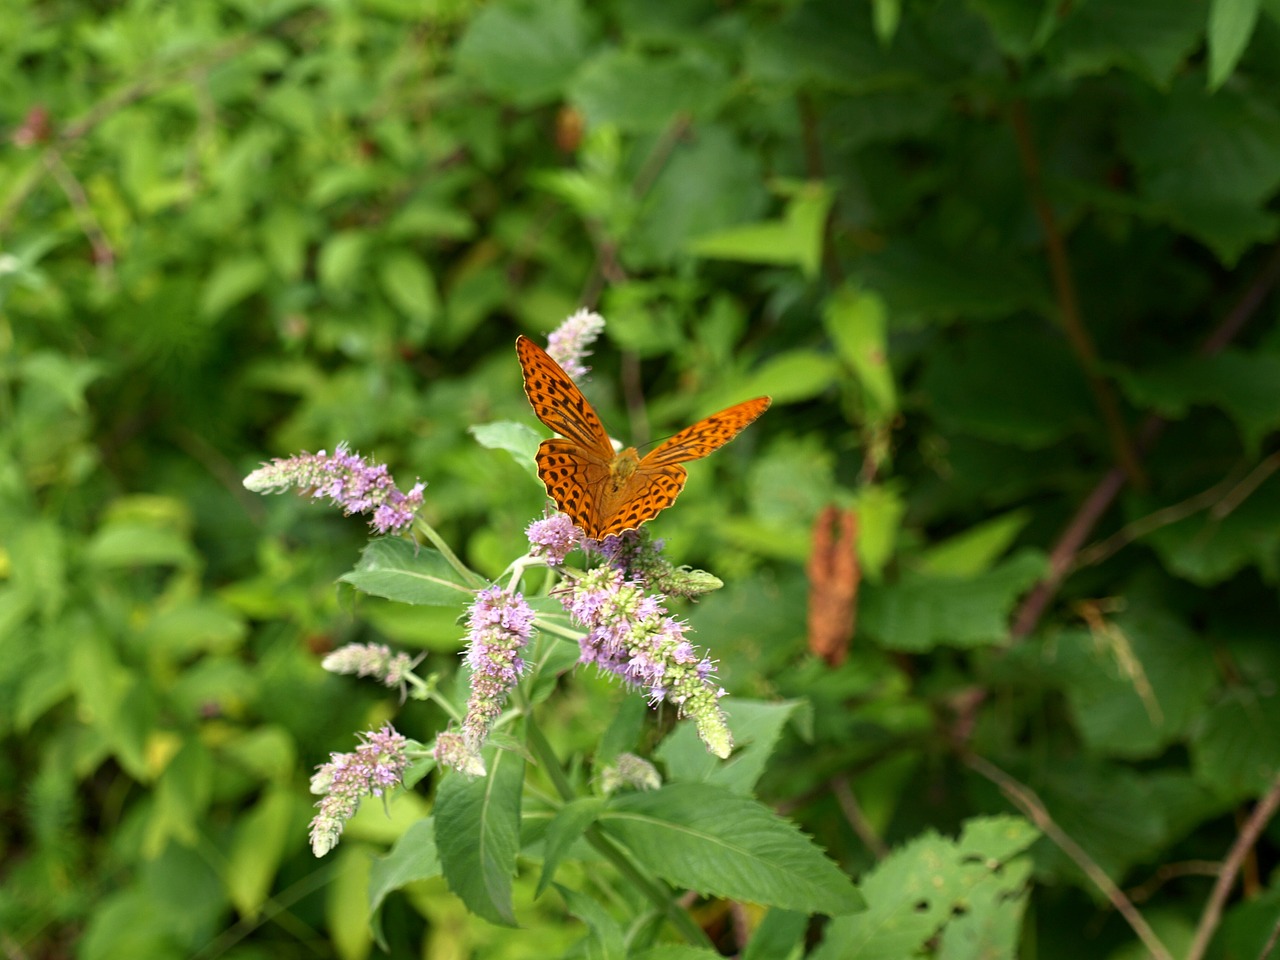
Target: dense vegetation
x: 998, y: 622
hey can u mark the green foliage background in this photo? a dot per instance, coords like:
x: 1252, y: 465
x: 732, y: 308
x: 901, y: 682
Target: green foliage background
x: 978, y: 252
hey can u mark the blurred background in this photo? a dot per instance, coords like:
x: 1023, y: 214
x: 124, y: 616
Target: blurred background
x: 1006, y: 269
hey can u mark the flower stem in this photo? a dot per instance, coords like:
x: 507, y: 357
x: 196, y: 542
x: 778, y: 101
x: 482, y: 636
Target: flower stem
x: 609, y: 849
x: 428, y: 531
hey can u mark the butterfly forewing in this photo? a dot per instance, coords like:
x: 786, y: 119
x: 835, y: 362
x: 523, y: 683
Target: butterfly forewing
x: 557, y: 401
x: 707, y: 435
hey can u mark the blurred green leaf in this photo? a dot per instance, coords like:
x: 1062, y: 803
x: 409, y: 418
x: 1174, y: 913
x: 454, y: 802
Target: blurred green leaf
x: 260, y: 841
x: 232, y: 281
x: 410, y: 286
x: 795, y: 240
x: 857, y: 325
x: 1231, y: 24
x: 401, y: 570
x: 412, y: 858
x: 522, y: 50
x: 635, y: 92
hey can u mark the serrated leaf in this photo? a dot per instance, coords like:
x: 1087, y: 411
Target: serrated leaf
x: 399, y: 569
x: 567, y: 826
x: 756, y: 726
x: 913, y: 893
x: 706, y: 839
x: 478, y: 836
x: 919, y: 613
x: 413, y: 858
x: 1231, y: 24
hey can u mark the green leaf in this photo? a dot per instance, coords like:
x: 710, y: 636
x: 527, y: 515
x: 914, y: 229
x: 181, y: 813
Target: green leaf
x: 413, y: 858
x: 1228, y: 754
x: 974, y: 551
x: 183, y: 792
x: 880, y: 510
x: 524, y: 50
x: 793, y: 375
x: 566, y: 828
x: 920, y: 887
x: 780, y: 935
x: 1231, y: 24
x: 638, y: 92
x: 858, y: 326
x: 1136, y: 685
x: 518, y: 439
x: 401, y: 570
x: 1241, y: 384
x: 344, y: 903
x: 605, y: 940
x: 341, y: 260
x: 795, y: 240
x: 756, y: 727
x: 1149, y: 37
x: 478, y: 836
x: 257, y: 848
x: 410, y: 286
x: 66, y: 377
x: 709, y: 840
x: 232, y: 281
x: 919, y: 613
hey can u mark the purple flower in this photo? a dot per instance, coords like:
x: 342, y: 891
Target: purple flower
x: 501, y: 624
x: 630, y: 635
x: 553, y: 538
x: 347, y: 480
x: 568, y: 342
x: 377, y: 765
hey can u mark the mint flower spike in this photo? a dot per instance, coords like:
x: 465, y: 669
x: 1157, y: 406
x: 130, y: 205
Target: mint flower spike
x: 630, y: 635
x: 377, y: 765
x: 567, y: 344
x: 347, y: 480
x: 552, y: 539
x: 501, y: 623
x: 374, y: 660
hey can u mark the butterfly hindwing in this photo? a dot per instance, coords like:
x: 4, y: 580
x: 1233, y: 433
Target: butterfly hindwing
x: 648, y: 492
x: 557, y: 401
x: 705, y: 436
x: 574, y: 480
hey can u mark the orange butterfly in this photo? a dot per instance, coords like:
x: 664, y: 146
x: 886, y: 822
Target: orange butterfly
x: 602, y: 491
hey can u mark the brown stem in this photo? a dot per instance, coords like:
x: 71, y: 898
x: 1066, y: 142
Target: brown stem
x: 1064, y: 286
x: 1249, y: 834
x: 1109, y: 487
x: 857, y: 819
x: 1025, y: 800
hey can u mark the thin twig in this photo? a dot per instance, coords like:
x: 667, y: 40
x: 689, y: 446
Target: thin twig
x: 1064, y: 286
x: 1249, y: 834
x: 1061, y: 559
x: 857, y: 819
x: 104, y: 256
x: 1271, y: 942
x: 1025, y: 800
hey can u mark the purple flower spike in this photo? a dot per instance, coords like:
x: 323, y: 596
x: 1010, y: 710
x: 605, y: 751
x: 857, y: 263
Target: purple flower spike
x: 568, y: 342
x: 501, y: 624
x: 347, y: 480
x: 377, y: 765
x: 631, y: 636
x: 553, y: 538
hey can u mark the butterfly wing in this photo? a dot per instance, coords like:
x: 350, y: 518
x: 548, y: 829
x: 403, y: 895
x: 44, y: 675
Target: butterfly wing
x: 647, y: 492
x: 575, y: 479
x: 695, y: 442
x: 557, y: 401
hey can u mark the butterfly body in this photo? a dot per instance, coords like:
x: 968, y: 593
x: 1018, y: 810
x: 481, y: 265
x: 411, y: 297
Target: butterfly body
x: 602, y: 491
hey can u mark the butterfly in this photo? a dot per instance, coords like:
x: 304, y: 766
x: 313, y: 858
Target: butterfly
x: 602, y: 491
